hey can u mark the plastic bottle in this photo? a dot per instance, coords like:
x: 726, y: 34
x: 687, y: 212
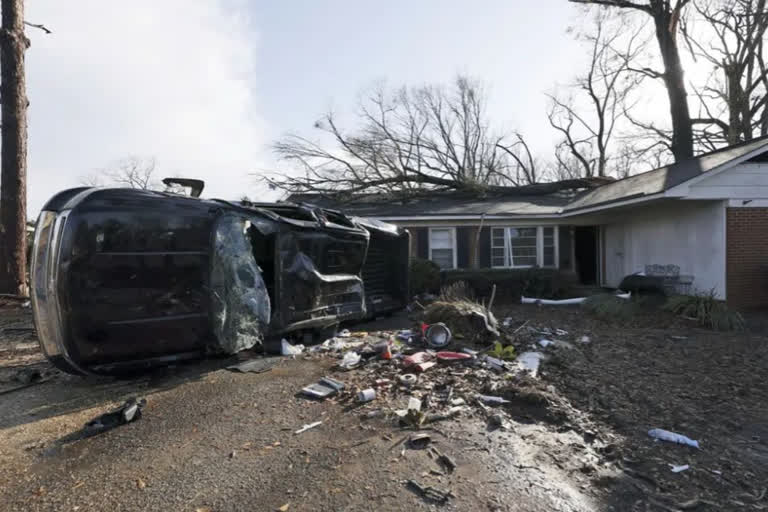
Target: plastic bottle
x: 671, y: 437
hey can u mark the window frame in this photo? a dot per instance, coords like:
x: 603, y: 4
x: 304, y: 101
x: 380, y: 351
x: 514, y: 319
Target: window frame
x: 555, y: 245
x: 454, y: 245
x: 508, y: 256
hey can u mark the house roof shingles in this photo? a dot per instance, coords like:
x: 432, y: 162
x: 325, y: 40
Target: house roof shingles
x: 459, y: 204
x: 442, y: 204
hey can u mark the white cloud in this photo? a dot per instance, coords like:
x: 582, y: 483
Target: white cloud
x: 173, y: 79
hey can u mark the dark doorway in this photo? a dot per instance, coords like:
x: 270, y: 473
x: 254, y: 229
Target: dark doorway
x: 585, y: 249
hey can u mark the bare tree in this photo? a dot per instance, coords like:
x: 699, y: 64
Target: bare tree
x: 409, y: 140
x: 666, y: 16
x: 729, y: 35
x: 131, y: 172
x: 587, y: 118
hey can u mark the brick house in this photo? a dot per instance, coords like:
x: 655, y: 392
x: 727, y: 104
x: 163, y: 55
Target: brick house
x: 706, y: 218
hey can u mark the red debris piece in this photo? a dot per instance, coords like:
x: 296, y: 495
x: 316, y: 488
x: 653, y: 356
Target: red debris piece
x: 450, y: 357
x: 422, y: 367
x: 418, y: 357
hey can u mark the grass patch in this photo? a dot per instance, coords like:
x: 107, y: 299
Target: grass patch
x: 609, y: 307
x: 707, y: 310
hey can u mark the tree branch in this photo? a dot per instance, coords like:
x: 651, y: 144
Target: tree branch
x: 38, y: 26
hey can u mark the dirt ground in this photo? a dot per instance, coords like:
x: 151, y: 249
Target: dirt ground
x: 574, y: 439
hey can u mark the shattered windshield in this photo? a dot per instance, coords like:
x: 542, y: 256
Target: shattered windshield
x: 239, y: 300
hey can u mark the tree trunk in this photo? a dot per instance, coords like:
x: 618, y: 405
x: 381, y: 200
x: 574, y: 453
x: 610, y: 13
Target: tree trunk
x: 682, y: 130
x: 733, y: 86
x: 13, y: 166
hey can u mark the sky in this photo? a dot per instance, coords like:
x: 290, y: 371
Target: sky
x: 206, y: 86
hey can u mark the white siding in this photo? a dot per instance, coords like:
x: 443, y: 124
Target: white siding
x: 744, y: 181
x: 690, y: 234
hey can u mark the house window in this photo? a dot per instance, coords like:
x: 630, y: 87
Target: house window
x: 442, y: 247
x: 499, y: 247
x: 548, y: 247
x: 523, y: 247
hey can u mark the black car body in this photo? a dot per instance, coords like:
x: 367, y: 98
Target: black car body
x: 121, y: 276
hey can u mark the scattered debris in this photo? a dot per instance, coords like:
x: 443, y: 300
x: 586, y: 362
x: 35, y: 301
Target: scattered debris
x: 126, y: 413
x: 308, y: 426
x: 287, y: 349
x: 331, y: 345
x: 444, y: 460
x: 324, y: 388
x: 429, y: 493
x: 452, y: 357
x: 470, y: 320
x: 450, y: 413
x: 496, y: 421
x: 530, y: 361
x: 565, y: 302
x: 350, y: 360
x: 495, y: 364
x: 422, y: 367
x: 492, y: 400
x: 408, y: 379
x: 419, y: 441
x: 417, y: 358
x: 671, y: 437
x: 678, y: 469
x: 437, y: 335
x: 544, y: 343
x: 255, y: 365
x: 366, y: 395
x: 344, y: 333
x: 405, y: 335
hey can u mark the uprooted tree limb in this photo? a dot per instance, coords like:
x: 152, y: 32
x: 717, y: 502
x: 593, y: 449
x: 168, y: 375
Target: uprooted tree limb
x: 427, y: 138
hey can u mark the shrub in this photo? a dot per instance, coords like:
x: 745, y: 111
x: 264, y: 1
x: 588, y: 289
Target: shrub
x: 424, y: 277
x: 609, y: 307
x: 512, y: 283
x: 707, y: 310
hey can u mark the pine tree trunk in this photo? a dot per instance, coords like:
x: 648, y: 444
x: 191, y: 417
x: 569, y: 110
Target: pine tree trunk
x: 13, y: 153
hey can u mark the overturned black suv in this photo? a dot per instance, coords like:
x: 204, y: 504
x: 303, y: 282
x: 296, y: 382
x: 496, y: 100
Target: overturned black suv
x: 124, y: 276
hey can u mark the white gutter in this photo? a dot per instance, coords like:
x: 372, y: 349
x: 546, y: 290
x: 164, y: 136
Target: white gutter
x: 472, y: 217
